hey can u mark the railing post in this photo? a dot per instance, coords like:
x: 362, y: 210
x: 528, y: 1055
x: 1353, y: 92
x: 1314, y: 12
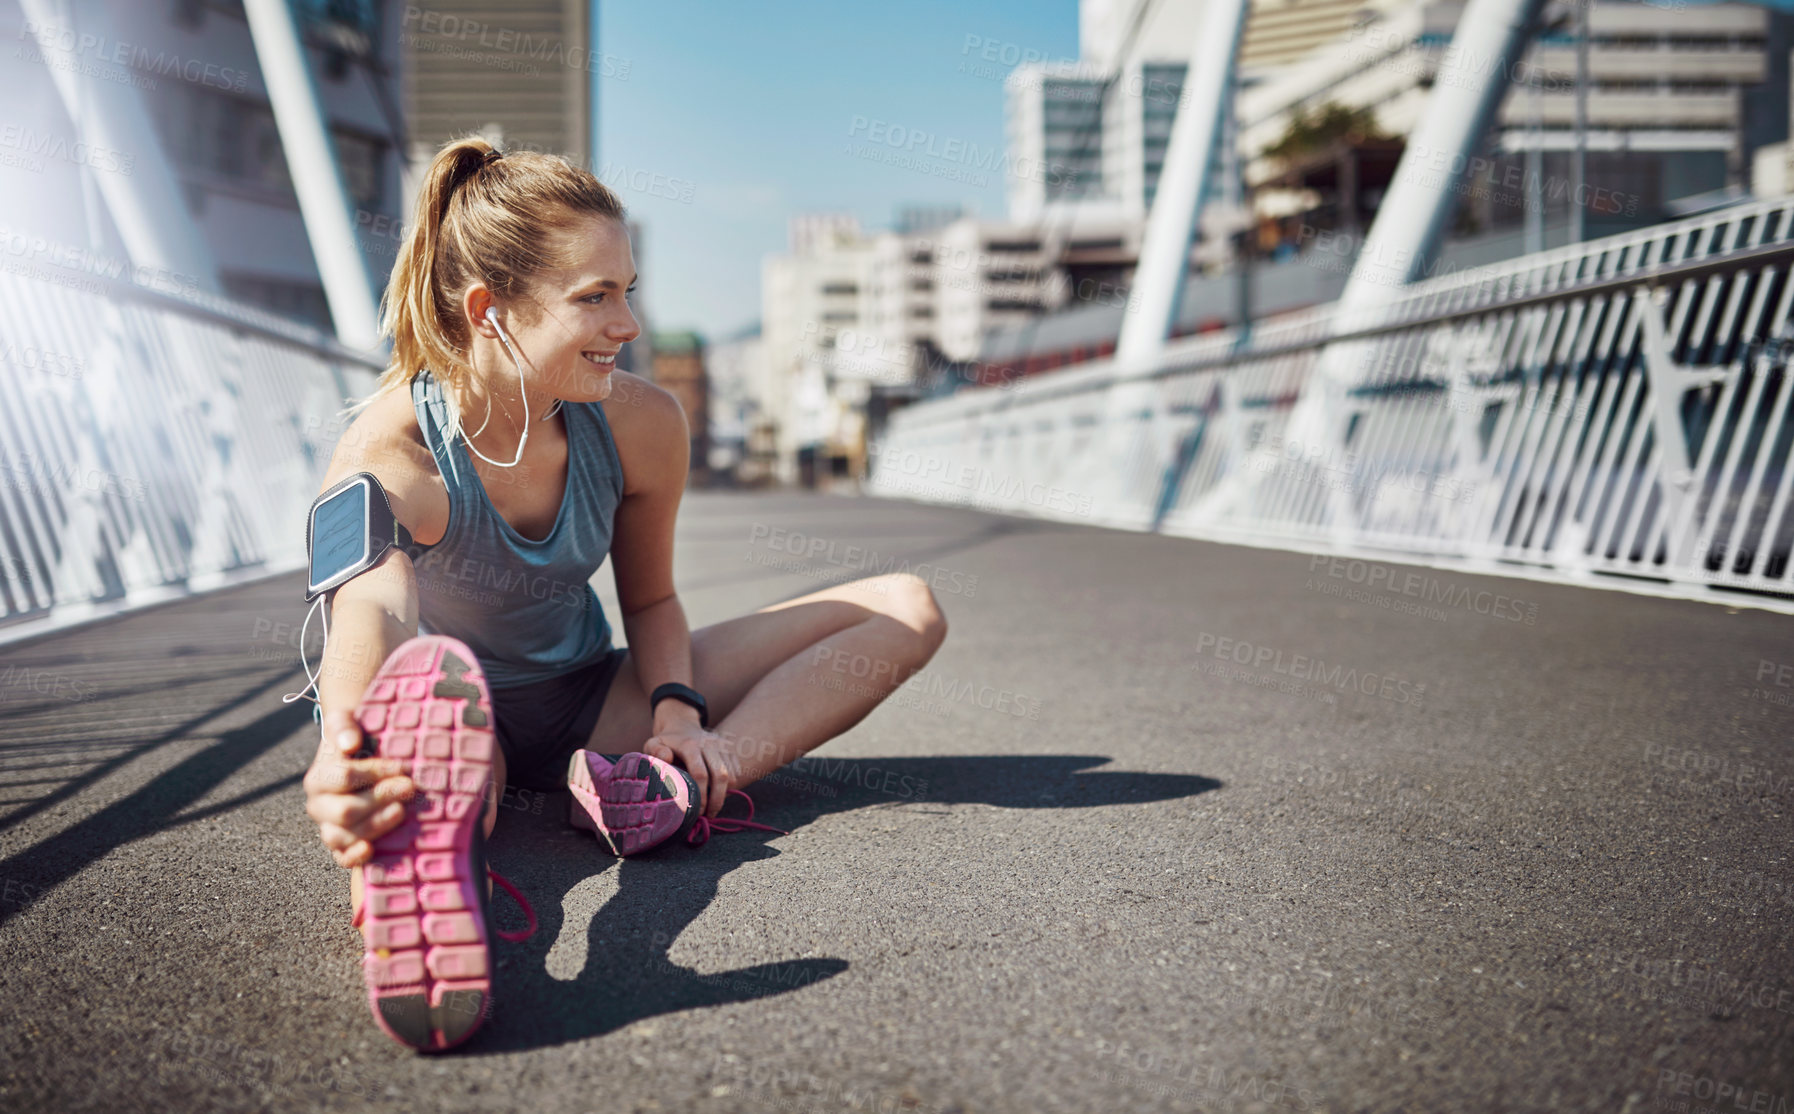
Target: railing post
x: 1668, y: 382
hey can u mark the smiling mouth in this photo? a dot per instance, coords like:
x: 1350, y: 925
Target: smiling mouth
x: 601, y: 361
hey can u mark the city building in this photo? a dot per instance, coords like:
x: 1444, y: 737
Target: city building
x: 1685, y: 104
x: 1137, y: 116
x: 1054, y: 133
x: 900, y: 301
x: 1109, y: 41
x: 990, y: 276
x: 811, y: 295
x: 524, y: 73
x: 855, y: 321
x: 1090, y: 136
x: 1278, y: 33
x: 1669, y: 89
x: 742, y: 434
x: 1681, y: 102
x: 679, y: 368
x: 1283, y: 33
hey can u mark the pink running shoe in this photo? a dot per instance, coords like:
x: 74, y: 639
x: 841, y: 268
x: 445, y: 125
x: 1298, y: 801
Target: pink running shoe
x: 637, y: 802
x: 424, y: 895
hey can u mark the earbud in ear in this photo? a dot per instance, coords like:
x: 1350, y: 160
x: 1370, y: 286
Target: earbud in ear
x: 492, y: 314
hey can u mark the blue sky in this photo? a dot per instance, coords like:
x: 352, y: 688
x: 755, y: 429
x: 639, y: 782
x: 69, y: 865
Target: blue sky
x: 747, y: 111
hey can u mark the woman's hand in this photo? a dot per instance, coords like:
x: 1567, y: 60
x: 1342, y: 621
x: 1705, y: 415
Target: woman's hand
x: 354, y: 800
x: 708, y: 757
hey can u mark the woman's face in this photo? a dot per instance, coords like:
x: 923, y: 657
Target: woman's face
x: 571, y: 323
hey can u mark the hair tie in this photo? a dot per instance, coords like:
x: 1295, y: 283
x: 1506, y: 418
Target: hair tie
x: 492, y: 156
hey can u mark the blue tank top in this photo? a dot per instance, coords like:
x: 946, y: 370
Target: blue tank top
x: 525, y: 608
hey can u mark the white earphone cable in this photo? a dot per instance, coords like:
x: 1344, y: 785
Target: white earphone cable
x: 314, y: 678
x: 492, y: 316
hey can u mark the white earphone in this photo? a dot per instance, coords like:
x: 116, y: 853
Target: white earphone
x: 492, y: 316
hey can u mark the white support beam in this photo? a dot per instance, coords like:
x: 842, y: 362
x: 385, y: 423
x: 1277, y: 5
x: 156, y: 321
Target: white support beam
x: 1473, y: 77
x: 1183, y: 186
x: 1490, y: 37
x: 148, y: 205
x: 317, y: 177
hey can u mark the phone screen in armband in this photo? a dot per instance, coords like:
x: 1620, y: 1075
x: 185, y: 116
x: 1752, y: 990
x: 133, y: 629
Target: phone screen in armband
x: 341, y: 534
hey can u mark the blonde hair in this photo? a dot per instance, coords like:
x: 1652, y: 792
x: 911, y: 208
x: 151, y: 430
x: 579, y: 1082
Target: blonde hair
x: 486, y: 215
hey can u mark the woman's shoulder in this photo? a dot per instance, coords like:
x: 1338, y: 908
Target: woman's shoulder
x: 649, y: 427
x: 386, y: 440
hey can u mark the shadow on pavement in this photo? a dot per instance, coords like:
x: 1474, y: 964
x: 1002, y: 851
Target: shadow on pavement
x: 627, y: 975
x: 275, y: 726
x: 155, y: 805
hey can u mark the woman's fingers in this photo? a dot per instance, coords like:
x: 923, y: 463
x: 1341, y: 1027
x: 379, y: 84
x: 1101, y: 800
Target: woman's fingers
x: 345, y: 847
x: 353, y: 800
x: 336, y: 837
x: 693, y: 758
x: 361, y: 815
x: 361, y: 853
x: 341, y: 811
x: 720, y: 784
x: 342, y: 734
x: 349, y: 775
x: 390, y: 789
x: 383, y: 820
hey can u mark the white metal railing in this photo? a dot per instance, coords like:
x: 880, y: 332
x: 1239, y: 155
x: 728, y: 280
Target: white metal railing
x: 1620, y: 406
x: 152, y: 445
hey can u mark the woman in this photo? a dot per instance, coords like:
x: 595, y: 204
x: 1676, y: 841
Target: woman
x: 507, y: 307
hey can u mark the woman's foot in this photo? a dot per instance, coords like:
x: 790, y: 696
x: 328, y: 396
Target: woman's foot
x: 633, y: 802
x: 637, y: 802
x: 424, y: 914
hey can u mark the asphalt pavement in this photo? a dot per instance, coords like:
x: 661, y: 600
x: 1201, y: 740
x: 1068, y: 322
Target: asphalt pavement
x: 1166, y: 825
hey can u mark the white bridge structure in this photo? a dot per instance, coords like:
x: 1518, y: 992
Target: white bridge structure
x: 1620, y: 406
x: 1611, y: 412
x: 153, y: 445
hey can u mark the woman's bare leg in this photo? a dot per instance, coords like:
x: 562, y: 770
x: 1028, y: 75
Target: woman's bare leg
x: 787, y: 678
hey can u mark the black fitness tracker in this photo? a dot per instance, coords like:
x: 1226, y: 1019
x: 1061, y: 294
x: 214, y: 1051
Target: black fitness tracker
x: 685, y: 694
x: 350, y: 528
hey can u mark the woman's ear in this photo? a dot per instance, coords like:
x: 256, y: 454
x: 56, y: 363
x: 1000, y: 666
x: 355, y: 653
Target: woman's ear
x: 475, y: 301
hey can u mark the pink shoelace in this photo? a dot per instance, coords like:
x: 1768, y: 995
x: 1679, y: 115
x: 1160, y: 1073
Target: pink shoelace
x: 702, y: 830
x: 522, y: 903
x: 504, y: 884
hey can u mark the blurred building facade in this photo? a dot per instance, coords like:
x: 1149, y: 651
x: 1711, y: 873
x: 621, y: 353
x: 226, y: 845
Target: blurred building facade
x: 190, y: 72
x: 1053, y: 127
x: 1672, y: 96
x: 680, y: 368
x: 814, y: 293
x: 521, y: 72
x: 742, y: 433
x: 1683, y: 101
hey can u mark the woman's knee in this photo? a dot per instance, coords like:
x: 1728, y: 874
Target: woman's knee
x: 910, y: 601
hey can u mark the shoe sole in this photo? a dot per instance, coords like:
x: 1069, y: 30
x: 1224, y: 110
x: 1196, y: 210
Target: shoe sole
x: 427, y: 960
x: 634, y: 800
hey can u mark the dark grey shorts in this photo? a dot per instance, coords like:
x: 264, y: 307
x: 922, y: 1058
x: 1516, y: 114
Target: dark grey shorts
x: 539, y: 725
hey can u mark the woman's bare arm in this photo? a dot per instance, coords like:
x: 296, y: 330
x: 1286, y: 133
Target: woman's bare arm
x: 655, y: 438
x: 357, y: 800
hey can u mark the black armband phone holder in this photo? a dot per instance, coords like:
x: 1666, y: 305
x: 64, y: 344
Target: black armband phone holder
x: 349, y: 530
